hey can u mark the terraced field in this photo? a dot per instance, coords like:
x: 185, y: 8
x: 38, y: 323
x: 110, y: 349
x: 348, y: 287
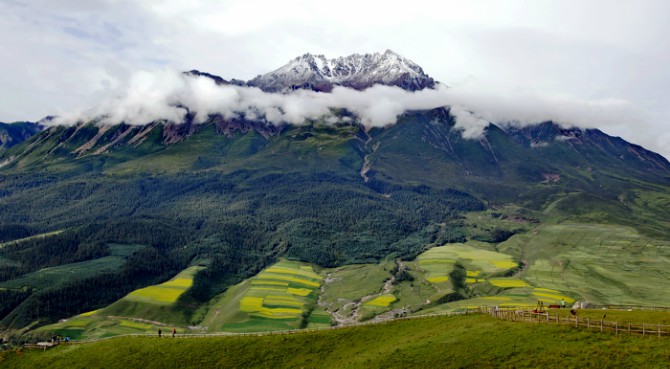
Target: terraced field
x: 279, y: 297
x: 601, y: 263
x: 479, y: 262
x: 570, y: 262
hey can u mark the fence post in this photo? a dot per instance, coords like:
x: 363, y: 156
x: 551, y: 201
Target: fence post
x: 576, y: 321
x: 558, y: 319
x: 547, y: 317
x: 659, y: 330
x: 601, y: 325
x: 643, y: 332
x: 588, y: 323
x: 628, y: 327
x: 616, y: 328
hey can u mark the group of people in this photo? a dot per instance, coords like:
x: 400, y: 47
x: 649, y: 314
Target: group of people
x: 540, y: 306
x: 160, y: 332
x: 57, y: 338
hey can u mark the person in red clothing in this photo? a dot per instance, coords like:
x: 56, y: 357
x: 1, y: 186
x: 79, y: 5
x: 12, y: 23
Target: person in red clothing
x: 174, y: 332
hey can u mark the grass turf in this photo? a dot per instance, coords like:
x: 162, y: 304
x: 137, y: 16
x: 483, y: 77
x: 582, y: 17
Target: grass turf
x: 438, y: 342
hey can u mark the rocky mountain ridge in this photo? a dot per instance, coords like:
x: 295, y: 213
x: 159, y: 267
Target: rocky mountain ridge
x: 318, y: 73
x: 357, y: 71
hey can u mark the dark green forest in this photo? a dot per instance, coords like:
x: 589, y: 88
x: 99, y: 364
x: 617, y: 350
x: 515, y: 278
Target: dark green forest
x: 235, y: 196
x: 245, y: 224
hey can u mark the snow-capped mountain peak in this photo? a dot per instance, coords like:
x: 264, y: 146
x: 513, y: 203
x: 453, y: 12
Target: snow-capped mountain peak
x: 358, y: 71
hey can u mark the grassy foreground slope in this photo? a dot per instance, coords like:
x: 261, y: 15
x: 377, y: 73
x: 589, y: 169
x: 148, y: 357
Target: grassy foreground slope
x: 438, y: 342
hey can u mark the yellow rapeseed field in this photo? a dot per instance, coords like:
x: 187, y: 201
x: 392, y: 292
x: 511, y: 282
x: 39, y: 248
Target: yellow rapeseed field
x: 507, y: 283
x: 383, y: 300
x: 439, y: 262
x: 166, y: 293
x: 280, y: 291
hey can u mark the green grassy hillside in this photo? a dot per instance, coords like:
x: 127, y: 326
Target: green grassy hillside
x: 238, y: 196
x: 599, y: 263
x: 439, y: 342
x: 141, y: 311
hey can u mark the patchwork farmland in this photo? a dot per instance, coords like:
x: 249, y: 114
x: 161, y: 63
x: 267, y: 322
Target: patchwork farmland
x: 292, y: 294
x: 282, y: 296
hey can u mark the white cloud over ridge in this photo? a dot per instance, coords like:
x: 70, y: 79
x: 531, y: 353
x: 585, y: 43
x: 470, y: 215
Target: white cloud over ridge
x: 164, y: 94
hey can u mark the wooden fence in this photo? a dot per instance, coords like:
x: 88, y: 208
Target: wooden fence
x: 547, y: 317
x: 516, y: 313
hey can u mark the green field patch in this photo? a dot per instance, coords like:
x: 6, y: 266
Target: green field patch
x: 124, y: 250
x: 267, y: 282
x: 99, y: 326
x: 520, y: 300
x: 351, y: 283
x: 135, y: 325
x: 66, y: 273
x: 319, y: 319
x: 601, y: 263
x: 622, y: 316
x: 77, y: 322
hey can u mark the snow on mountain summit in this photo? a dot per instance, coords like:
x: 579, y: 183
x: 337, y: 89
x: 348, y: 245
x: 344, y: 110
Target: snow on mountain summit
x: 357, y: 71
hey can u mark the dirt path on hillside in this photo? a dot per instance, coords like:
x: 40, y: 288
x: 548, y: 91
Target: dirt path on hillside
x: 135, y: 319
x: 355, y: 306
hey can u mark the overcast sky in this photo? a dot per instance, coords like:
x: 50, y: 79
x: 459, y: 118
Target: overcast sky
x: 59, y: 56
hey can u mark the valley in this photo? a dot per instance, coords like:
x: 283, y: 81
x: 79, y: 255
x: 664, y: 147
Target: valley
x: 597, y: 263
x: 229, y: 224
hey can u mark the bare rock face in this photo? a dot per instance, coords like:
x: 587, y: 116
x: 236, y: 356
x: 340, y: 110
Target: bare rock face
x: 316, y: 72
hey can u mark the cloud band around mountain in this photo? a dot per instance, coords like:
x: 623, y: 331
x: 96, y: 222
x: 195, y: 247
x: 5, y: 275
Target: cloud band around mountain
x: 165, y: 95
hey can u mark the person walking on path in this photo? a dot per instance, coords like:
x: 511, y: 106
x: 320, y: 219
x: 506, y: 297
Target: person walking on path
x: 174, y: 332
x: 160, y: 332
x: 562, y: 303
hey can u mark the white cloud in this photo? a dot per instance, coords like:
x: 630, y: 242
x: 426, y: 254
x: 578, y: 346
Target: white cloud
x: 167, y: 94
x: 60, y: 54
